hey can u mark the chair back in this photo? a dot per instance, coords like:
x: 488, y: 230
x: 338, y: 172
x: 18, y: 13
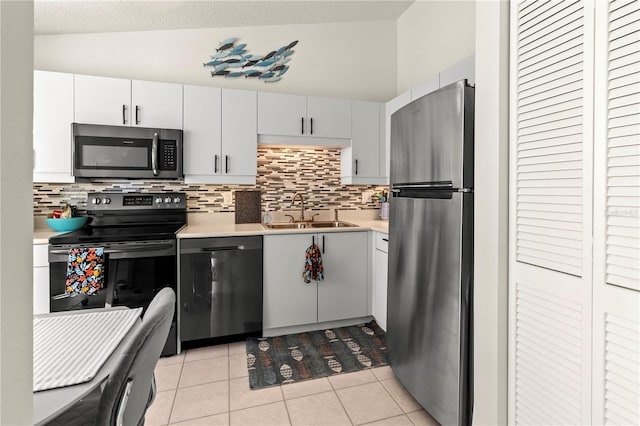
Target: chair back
x: 128, y: 391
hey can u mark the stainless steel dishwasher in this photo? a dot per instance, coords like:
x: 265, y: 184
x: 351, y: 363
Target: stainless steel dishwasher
x: 220, y: 287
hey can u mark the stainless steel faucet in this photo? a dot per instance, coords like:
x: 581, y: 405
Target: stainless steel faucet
x: 301, y: 204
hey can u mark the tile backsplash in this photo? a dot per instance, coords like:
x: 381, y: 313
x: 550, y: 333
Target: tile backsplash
x: 282, y: 171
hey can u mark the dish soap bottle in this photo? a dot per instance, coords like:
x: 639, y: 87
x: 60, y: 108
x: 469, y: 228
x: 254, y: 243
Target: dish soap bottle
x: 266, y: 219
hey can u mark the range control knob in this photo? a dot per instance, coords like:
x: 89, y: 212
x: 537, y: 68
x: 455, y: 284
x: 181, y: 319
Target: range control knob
x: 96, y: 200
x: 158, y: 200
x: 167, y: 200
x: 176, y: 200
x: 106, y: 201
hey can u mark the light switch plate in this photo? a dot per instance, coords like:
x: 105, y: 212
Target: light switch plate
x: 226, y: 197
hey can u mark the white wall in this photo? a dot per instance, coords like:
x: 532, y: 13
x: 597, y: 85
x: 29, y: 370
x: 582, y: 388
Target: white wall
x: 343, y: 60
x: 16, y: 222
x: 432, y: 35
x: 491, y: 212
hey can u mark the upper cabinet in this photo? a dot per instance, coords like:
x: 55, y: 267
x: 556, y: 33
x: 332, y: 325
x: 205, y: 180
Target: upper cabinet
x: 52, y: 118
x: 361, y: 162
x: 306, y: 118
x: 121, y: 102
x: 220, y: 135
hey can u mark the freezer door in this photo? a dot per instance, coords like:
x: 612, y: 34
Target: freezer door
x: 432, y: 138
x: 429, y: 292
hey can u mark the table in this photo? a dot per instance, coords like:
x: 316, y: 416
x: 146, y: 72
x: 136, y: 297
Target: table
x: 47, y: 404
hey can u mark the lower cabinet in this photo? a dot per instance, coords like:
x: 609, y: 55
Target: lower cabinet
x: 380, y: 271
x: 289, y: 301
x: 40, y: 279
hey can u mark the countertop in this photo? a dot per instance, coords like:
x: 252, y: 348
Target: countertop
x: 222, y: 226
x: 41, y: 236
x: 231, y: 229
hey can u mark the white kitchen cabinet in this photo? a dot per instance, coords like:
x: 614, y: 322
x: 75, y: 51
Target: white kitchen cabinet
x: 380, y: 271
x: 425, y: 87
x: 239, y: 135
x: 392, y: 106
x: 303, y: 116
x: 220, y: 136
x: 343, y: 293
x: 102, y: 100
x: 122, y: 102
x: 329, y: 118
x: 155, y: 104
x: 201, y: 134
x: 280, y: 114
x: 40, y: 279
x: 466, y: 68
x: 361, y: 162
x: 52, y: 118
x: 289, y: 301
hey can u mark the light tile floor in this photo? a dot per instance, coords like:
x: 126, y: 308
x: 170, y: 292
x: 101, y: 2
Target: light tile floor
x: 210, y: 386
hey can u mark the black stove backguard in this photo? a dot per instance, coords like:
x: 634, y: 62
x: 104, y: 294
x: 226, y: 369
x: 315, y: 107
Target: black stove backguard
x: 137, y: 232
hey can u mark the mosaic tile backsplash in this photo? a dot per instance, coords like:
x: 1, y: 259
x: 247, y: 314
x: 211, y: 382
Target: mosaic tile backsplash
x: 282, y: 172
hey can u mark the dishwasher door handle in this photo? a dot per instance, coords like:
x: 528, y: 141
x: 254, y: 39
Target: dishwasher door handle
x: 211, y: 249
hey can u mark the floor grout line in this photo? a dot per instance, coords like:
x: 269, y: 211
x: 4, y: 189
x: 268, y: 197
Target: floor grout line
x: 175, y: 394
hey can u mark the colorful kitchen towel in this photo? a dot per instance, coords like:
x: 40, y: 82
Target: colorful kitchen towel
x: 85, y: 270
x: 313, y: 269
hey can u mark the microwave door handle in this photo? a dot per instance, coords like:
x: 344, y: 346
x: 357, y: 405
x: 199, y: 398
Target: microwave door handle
x: 154, y: 154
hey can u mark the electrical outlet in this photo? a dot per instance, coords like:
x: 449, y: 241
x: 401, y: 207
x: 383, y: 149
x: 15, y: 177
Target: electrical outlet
x: 366, y: 197
x: 226, y: 197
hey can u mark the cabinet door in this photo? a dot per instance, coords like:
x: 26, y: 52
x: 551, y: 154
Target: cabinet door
x: 202, y: 136
x: 380, y: 270
x: 239, y: 132
x: 343, y: 293
x: 392, y: 106
x: 365, y: 139
x: 288, y: 300
x: 52, y: 117
x: 328, y: 118
x: 156, y: 104
x: 102, y: 100
x: 282, y: 114
x: 459, y: 71
x: 41, y: 278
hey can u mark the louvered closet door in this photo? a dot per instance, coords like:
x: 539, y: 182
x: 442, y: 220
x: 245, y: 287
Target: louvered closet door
x: 550, y: 212
x: 616, y: 276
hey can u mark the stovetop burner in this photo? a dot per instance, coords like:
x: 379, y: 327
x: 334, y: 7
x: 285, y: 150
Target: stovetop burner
x: 117, y: 217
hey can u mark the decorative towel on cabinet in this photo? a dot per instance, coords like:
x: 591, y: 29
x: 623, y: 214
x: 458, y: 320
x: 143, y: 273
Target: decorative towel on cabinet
x: 313, y: 270
x: 85, y: 270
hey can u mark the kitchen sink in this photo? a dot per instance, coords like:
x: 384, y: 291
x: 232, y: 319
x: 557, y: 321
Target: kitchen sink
x: 310, y: 224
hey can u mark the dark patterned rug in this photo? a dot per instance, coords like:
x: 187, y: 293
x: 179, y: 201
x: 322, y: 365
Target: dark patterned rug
x: 303, y: 356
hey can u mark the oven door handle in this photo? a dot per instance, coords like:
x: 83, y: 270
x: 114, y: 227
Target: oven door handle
x: 154, y: 154
x: 61, y: 255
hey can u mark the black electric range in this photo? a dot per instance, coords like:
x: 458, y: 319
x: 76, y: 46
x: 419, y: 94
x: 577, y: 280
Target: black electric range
x: 138, y: 234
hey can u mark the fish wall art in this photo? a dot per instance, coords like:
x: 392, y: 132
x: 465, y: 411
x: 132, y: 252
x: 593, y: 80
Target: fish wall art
x: 232, y: 60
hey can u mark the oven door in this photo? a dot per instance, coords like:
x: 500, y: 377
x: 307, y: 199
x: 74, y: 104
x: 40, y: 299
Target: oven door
x: 134, y: 273
x: 123, y: 152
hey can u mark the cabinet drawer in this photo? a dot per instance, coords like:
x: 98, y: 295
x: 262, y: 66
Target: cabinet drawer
x: 382, y: 242
x: 40, y: 255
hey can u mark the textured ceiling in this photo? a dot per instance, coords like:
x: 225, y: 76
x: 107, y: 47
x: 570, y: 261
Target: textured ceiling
x: 97, y: 16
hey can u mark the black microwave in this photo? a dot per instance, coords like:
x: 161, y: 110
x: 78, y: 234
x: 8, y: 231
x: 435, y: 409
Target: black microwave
x: 126, y: 152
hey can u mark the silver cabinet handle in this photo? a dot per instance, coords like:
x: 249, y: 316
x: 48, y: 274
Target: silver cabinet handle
x: 137, y: 111
x: 154, y: 154
x: 124, y: 114
x: 215, y: 164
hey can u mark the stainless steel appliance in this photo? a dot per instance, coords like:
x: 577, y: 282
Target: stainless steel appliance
x: 430, y: 282
x: 138, y: 234
x: 126, y: 152
x: 220, y: 288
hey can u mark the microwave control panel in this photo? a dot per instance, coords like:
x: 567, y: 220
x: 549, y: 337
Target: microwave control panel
x: 168, y: 156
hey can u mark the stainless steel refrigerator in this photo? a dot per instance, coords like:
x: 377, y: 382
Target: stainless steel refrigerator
x: 430, y: 282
